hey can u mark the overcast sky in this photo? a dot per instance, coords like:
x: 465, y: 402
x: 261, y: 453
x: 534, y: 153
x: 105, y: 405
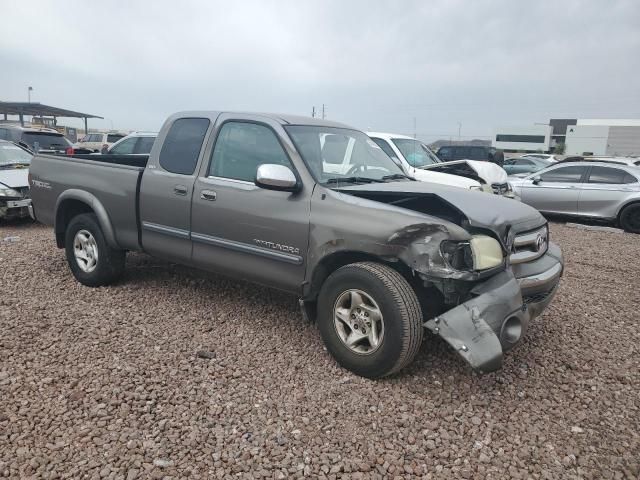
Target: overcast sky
x: 375, y: 64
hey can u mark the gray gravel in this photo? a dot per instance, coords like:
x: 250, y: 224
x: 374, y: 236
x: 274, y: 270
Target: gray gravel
x: 175, y: 372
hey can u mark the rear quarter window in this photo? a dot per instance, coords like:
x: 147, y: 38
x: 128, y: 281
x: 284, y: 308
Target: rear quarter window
x: 182, y: 145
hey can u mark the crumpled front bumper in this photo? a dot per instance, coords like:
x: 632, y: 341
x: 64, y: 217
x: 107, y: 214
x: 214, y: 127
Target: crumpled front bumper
x: 498, y: 315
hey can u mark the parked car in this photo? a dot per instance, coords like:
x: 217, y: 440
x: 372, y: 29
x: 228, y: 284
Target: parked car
x: 630, y: 161
x: 97, y: 142
x: 417, y: 160
x: 523, y: 166
x: 466, y: 152
x: 543, y: 156
x: 137, y: 143
x: 44, y: 140
x: 374, y: 256
x: 590, y: 189
x: 14, y: 182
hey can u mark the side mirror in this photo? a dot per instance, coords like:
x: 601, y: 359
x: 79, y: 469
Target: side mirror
x: 536, y: 180
x: 276, y: 177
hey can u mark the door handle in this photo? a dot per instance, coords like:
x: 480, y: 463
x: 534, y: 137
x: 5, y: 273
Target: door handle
x: 208, y: 195
x: 180, y: 190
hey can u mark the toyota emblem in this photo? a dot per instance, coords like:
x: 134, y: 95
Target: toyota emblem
x: 540, y: 242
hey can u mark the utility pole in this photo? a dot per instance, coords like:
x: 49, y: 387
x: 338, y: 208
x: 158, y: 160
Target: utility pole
x: 459, y: 129
x: 29, y: 90
x: 313, y: 111
x: 414, y: 128
x: 323, y: 111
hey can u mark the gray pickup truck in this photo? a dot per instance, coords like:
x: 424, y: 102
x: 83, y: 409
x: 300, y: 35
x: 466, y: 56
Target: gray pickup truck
x: 374, y: 256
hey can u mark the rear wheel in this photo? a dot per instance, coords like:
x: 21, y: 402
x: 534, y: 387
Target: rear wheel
x: 370, y: 319
x: 630, y: 218
x: 92, y: 261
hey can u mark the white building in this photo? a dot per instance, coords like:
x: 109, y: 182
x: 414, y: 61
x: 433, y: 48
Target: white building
x: 580, y: 137
x: 531, y: 138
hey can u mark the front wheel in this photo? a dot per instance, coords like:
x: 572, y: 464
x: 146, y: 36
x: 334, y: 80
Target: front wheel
x: 370, y: 319
x: 92, y: 261
x: 630, y: 218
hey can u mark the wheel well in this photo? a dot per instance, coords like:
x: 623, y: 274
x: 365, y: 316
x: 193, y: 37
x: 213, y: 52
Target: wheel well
x: 332, y: 262
x: 66, y: 211
x: 633, y: 202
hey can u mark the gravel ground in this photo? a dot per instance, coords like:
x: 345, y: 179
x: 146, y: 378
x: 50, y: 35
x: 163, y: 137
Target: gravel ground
x: 175, y: 373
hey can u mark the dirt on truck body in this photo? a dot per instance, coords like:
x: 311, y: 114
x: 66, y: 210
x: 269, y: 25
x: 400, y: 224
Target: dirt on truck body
x: 374, y: 256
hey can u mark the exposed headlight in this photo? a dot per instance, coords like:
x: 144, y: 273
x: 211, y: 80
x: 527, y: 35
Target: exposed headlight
x: 480, y: 253
x: 9, y: 192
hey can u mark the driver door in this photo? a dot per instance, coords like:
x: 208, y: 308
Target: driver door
x: 239, y: 228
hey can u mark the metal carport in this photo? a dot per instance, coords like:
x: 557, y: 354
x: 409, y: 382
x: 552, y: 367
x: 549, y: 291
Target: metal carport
x: 38, y: 109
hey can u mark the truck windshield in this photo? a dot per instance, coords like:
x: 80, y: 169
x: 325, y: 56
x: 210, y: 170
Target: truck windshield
x: 415, y: 152
x: 334, y: 155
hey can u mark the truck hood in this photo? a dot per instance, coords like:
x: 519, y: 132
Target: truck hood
x: 467, y: 208
x: 489, y: 172
x: 15, y: 177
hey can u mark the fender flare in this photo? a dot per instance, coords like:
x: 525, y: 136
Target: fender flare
x: 90, y: 200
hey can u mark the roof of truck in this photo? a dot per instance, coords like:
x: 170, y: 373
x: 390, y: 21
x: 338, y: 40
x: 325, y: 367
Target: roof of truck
x: 284, y: 119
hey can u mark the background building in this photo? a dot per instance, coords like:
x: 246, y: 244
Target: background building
x: 614, y: 137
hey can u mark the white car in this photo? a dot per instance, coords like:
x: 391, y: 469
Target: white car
x: 136, y: 143
x: 418, y: 161
x: 97, y: 142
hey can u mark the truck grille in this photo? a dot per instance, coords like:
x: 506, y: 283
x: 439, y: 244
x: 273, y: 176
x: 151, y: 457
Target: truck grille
x: 500, y: 188
x: 530, y: 245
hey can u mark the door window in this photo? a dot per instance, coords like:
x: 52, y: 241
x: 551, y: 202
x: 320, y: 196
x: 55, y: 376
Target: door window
x: 385, y: 147
x: 4, y: 134
x: 242, y: 147
x: 610, y: 176
x: 564, y: 174
x: 523, y: 162
x: 182, y: 145
x: 477, y: 153
x: 445, y: 153
x: 125, y: 147
x: 144, y: 145
x: 113, y: 138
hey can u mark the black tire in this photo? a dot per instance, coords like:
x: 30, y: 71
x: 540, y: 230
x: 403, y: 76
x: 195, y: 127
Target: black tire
x: 400, y: 308
x: 110, y: 262
x: 630, y: 218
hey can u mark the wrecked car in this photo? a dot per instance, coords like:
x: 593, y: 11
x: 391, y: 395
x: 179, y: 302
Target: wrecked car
x: 375, y: 257
x: 417, y: 160
x: 14, y: 183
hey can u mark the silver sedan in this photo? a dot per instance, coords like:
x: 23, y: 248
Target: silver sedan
x: 592, y: 189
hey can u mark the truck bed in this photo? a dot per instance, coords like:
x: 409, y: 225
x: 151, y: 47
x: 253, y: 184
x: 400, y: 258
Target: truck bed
x: 109, y: 183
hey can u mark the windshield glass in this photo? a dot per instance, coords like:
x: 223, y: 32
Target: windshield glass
x: 334, y: 154
x: 45, y: 141
x: 415, y: 152
x: 13, y: 155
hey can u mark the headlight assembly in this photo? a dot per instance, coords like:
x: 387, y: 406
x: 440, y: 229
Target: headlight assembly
x: 480, y: 253
x: 9, y: 192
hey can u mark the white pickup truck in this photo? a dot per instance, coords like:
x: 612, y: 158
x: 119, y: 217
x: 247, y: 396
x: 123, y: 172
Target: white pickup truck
x: 418, y: 161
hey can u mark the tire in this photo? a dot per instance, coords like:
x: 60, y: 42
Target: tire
x: 102, y: 264
x: 630, y: 218
x: 399, y: 339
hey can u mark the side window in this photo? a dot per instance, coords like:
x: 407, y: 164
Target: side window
x: 144, y: 145
x: 477, y: 153
x: 4, y: 134
x: 334, y: 148
x: 182, y: 145
x: 610, y: 176
x: 523, y: 161
x: 241, y: 147
x: 125, y: 147
x: 461, y: 153
x: 564, y: 175
x: 385, y: 147
x: 445, y: 153
x: 114, y: 138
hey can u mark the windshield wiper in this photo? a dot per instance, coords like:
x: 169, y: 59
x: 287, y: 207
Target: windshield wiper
x: 396, y: 176
x: 352, y: 180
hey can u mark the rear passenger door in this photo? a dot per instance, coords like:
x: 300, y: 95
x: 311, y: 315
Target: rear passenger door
x: 166, y: 190
x: 239, y: 228
x: 604, y: 190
